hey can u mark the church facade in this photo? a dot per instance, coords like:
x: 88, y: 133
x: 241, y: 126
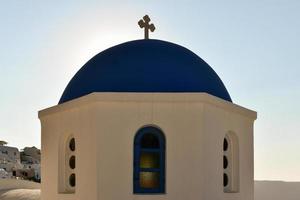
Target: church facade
x: 148, y: 120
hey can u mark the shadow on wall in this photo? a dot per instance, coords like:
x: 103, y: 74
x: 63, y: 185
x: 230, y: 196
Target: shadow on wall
x: 277, y: 190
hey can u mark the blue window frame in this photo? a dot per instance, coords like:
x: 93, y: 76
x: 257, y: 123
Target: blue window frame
x: 149, y: 161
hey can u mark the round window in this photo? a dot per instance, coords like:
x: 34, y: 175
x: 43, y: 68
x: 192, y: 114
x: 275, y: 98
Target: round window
x: 225, y: 145
x: 72, y: 144
x: 72, y: 162
x: 72, y: 180
x: 225, y: 162
x: 225, y: 180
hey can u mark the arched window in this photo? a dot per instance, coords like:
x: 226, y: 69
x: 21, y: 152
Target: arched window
x: 230, y: 163
x: 149, y: 161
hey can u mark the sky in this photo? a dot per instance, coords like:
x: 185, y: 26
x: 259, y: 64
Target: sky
x: 252, y: 45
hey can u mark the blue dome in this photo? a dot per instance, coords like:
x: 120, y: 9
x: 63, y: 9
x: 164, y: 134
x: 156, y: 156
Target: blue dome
x: 145, y: 66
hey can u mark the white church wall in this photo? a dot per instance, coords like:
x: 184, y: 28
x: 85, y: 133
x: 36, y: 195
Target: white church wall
x: 104, y: 125
x: 219, y: 122
x: 75, y: 122
x: 181, y: 125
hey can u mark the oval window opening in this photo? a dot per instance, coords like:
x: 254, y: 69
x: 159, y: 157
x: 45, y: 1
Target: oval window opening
x: 225, y: 162
x: 225, y: 145
x: 72, y: 144
x: 225, y: 180
x: 72, y: 162
x: 72, y: 180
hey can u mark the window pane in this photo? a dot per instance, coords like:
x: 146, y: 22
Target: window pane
x: 149, y: 180
x: 149, y: 141
x: 149, y: 160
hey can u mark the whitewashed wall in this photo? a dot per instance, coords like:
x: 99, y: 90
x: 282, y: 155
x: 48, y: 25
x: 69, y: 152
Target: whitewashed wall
x: 104, y: 125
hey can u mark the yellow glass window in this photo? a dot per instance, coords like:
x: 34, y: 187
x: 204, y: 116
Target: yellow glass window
x: 149, y: 179
x: 149, y: 160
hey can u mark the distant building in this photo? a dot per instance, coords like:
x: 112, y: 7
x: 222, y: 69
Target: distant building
x: 28, y: 174
x: 9, y: 157
x: 31, y: 155
x: 24, y: 165
x: 31, y: 158
x: 3, y: 143
x: 36, y: 169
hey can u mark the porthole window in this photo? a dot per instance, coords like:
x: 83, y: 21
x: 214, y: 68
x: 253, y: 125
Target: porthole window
x: 72, y: 144
x: 72, y: 162
x: 225, y: 180
x: 67, y: 178
x: 225, y: 145
x: 225, y: 162
x: 70, y: 165
x: 230, y: 163
x: 72, y: 180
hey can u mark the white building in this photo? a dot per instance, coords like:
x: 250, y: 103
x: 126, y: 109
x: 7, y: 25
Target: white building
x: 147, y: 120
x: 9, y: 158
x: 31, y: 159
x: 12, y: 164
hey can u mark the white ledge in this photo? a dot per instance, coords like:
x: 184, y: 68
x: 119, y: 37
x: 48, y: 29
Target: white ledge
x: 149, y: 97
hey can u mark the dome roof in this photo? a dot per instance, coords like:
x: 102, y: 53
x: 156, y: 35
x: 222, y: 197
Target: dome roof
x: 145, y: 66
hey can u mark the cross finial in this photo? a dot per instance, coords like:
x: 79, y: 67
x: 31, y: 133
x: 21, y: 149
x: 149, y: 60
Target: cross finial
x: 144, y: 23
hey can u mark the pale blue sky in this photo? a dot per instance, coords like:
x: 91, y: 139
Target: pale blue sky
x: 252, y: 45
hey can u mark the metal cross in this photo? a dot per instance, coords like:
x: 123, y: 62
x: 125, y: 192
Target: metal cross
x: 144, y: 23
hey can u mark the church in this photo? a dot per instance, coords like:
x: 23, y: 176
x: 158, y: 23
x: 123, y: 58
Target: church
x: 147, y: 120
